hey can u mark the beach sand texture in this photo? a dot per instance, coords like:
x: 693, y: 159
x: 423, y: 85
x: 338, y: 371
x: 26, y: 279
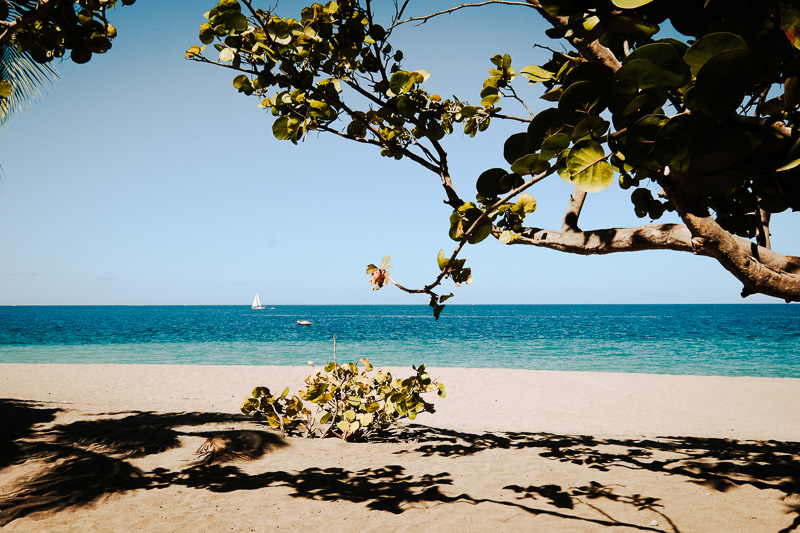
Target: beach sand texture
x: 111, y: 448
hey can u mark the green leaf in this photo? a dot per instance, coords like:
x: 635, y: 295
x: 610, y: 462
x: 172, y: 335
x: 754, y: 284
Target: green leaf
x: 442, y: 392
x: 236, y: 20
x: 488, y: 184
x: 674, y: 72
x: 580, y: 100
x: 630, y: 4
x: 490, y: 96
x: 442, y: 260
x: 206, y: 33
x: 285, y: 128
x: 724, y: 80
x: 536, y: 74
x: 228, y: 5
x: 672, y: 146
x: 792, y: 158
x: 507, y: 236
x: 481, y: 232
x: 554, y: 145
x: 516, y: 146
x: 640, y: 75
x: 400, y: 82
x: 5, y: 89
x: 530, y: 164
x: 587, y: 168
x: 543, y: 125
x: 527, y: 201
x: 641, y: 141
x: 710, y: 45
x: 591, y: 127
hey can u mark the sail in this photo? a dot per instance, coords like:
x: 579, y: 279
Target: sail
x: 257, y: 303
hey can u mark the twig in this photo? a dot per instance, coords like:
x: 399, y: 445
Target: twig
x: 428, y: 289
x: 426, y: 18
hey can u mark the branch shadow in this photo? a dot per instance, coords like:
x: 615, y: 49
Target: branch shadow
x: 84, y: 461
x: 81, y: 462
x: 715, y: 463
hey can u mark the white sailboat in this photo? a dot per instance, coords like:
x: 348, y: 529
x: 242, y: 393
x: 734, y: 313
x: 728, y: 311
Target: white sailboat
x: 257, y: 303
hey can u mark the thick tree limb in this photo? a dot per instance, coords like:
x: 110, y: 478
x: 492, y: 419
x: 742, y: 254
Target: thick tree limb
x: 607, y: 241
x: 760, y: 269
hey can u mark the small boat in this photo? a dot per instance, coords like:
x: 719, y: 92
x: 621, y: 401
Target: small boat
x: 303, y: 323
x: 257, y: 303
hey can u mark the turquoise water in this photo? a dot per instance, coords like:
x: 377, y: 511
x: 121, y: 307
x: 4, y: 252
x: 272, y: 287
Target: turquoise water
x: 731, y: 340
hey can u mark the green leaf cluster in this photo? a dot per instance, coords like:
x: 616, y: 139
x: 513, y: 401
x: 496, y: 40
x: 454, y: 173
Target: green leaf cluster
x: 346, y: 401
x: 671, y: 106
x: 79, y: 28
x: 307, y: 61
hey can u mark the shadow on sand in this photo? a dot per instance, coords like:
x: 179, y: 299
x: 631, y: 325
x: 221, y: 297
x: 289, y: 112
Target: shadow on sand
x: 80, y: 462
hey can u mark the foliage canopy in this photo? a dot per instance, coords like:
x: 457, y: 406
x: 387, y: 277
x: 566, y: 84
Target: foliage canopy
x: 34, y: 33
x: 700, y: 121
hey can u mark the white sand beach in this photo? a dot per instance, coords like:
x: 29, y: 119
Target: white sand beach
x: 110, y: 448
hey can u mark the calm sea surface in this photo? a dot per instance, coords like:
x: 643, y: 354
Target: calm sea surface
x: 730, y: 340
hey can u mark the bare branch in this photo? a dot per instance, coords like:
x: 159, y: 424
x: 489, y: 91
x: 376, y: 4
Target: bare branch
x: 762, y: 235
x: 612, y: 240
x: 768, y: 123
x: 509, y: 117
x: 573, y: 211
x: 426, y: 18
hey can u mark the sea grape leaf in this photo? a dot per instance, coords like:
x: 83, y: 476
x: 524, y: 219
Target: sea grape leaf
x: 723, y: 81
x: 710, y: 45
x: 488, y: 184
x: 587, y: 168
x: 580, y: 100
x: 641, y: 141
x: 630, y: 4
x: 543, y: 125
x: 530, y: 164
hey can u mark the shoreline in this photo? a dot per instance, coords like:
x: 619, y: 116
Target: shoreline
x: 567, y: 402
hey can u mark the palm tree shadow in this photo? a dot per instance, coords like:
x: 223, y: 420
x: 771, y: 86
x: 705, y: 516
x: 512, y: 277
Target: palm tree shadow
x: 18, y: 418
x: 80, y: 462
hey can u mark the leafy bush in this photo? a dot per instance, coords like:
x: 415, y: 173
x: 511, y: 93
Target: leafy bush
x: 348, y: 403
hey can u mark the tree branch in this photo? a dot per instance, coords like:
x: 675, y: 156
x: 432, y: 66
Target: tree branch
x: 426, y: 18
x: 591, y: 50
x: 759, y: 269
x: 573, y: 211
x: 762, y: 235
x: 607, y: 241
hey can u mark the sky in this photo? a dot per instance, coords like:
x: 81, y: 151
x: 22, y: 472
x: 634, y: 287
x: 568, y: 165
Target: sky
x: 146, y: 179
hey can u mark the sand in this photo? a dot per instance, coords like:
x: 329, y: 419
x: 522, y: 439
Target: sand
x: 112, y: 448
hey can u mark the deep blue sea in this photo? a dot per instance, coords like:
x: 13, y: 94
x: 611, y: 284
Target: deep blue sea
x: 730, y: 340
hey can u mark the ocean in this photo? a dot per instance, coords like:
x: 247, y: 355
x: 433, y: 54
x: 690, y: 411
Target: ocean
x: 727, y: 340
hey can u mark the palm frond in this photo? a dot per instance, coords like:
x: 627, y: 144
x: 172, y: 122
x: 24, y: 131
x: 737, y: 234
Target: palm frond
x: 29, y: 81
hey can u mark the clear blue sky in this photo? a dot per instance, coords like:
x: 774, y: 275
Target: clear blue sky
x: 144, y: 178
